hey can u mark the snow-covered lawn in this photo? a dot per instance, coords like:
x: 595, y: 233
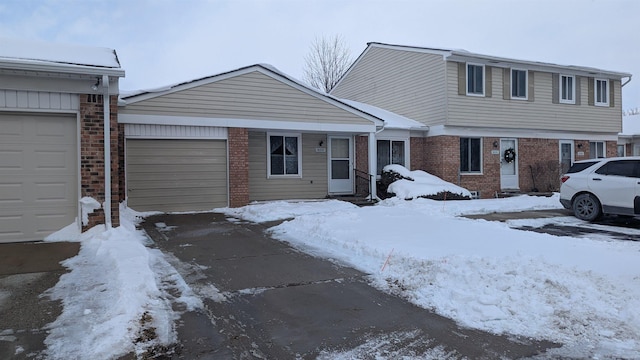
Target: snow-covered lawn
x: 581, y: 292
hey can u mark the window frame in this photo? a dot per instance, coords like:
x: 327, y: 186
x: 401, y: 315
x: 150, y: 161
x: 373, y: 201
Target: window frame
x: 284, y: 135
x: 561, y: 86
x: 605, y: 92
x: 604, y: 150
x: 405, y: 148
x: 472, y: 172
x: 467, y: 85
x: 526, y: 84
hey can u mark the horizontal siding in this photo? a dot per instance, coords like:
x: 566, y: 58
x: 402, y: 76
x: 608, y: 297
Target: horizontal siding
x: 176, y: 175
x: 38, y: 100
x: 540, y: 114
x: 174, y: 131
x: 249, y: 96
x: 312, y: 185
x: 405, y: 82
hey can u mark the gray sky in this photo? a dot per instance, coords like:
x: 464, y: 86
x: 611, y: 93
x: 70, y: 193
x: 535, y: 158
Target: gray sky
x: 161, y: 42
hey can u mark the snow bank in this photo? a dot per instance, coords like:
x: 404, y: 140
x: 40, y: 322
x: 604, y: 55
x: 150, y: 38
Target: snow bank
x: 581, y: 292
x: 280, y: 210
x: 423, y: 184
x: 112, y: 283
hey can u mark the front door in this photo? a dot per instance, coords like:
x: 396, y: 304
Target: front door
x: 509, y: 164
x: 340, y: 165
x: 566, y: 155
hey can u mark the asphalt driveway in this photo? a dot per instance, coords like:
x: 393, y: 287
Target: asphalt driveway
x: 264, y: 299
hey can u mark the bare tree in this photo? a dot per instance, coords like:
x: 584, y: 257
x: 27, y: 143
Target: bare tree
x: 326, y: 62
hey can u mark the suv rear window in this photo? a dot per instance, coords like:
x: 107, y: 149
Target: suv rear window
x: 628, y: 168
x: 577, y: 167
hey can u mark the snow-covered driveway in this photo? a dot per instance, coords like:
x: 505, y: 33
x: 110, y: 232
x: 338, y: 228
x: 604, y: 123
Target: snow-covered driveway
x: 582, y: 292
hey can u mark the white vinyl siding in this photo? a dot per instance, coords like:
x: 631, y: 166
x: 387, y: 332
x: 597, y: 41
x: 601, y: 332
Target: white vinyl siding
x: 249, y: 96
x: 313, y: 184
x: 404, y: 82
x: 12, y: 99
x: 540, y: 114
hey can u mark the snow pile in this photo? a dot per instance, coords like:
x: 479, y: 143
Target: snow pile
x: 116, y: 288
x: 423, y: 184
x: 88, y: 205
x: 581, y: 292
x: 280, y: 210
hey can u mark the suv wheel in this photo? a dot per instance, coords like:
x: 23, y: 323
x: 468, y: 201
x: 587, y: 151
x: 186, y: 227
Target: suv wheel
x: 586, y: 207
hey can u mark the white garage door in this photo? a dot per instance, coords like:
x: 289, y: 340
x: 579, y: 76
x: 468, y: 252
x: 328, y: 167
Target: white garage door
x: 176, y: 175
x: 38, y: 175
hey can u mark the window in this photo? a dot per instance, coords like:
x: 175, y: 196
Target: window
x: 518, y: 84
x: 626, y: 168
x: 470, y: 155
x: 596, y: 149
x: 601, y: 92
x: 567, y: 89
x: 621, y: 150
x: 390, y: 152
x: 475, y: 79
x: 284, y: 155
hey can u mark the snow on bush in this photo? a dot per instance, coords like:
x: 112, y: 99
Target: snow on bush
x: 417, y: 183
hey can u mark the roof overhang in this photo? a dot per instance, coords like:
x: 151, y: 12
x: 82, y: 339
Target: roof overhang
x: 51, y: 67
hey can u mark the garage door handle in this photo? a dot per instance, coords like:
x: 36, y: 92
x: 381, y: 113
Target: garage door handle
x: 597, y: 179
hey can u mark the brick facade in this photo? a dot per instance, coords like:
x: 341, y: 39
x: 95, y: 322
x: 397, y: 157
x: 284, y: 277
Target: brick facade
x: 92, y: 156
x: 238, y: 142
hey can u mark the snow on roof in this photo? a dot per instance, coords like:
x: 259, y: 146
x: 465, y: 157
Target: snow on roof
x: 631, y: 125
x: 29, y: 51
x: 391, y: 119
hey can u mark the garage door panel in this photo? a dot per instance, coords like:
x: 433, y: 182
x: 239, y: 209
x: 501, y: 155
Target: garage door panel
x: 176, y: 175
x: 38, y: 175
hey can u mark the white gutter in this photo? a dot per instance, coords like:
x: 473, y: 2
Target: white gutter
x: 107, y: 152
x: 626, y: 82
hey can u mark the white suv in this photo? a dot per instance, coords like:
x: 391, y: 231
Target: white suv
x: 595, y: 187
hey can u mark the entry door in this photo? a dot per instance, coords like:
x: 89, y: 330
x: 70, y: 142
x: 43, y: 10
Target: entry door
x: 566, y: 155
x: 340, y: 165
x: 509, y: 170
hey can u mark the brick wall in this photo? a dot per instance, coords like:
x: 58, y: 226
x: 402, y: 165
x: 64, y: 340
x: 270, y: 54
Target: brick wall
x: 238, y: 142
x: 92, y: 155
x: 417, y: 153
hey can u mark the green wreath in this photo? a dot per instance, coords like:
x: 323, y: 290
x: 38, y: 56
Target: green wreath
x: 509, y: 155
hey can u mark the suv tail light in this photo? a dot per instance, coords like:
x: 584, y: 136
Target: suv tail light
x: 564, y: 178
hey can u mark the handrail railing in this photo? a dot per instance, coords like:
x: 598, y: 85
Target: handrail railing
x: 360, y: 186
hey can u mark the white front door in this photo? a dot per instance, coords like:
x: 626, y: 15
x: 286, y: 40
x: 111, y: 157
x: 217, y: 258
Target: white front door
x: 340, y: 165
x: 509, y: 166
x: 566, y: 155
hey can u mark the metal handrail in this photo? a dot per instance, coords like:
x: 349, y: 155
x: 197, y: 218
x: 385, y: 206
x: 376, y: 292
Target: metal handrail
x: 359, y: 174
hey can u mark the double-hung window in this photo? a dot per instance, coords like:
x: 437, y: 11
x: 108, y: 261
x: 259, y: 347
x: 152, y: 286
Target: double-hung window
x: 596, y: 149
x: 475, y: 79
x: 470, y: 155
x: 390, y: 152
x: 601, y: 92
x: 284, y: 155
x: 567, y: 89
x: 519, y: 84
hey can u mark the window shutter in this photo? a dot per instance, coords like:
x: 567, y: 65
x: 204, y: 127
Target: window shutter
x: 488, y: 80
x: 578, y: 93
x: 555, y: 93
x: 462, y: 79
x: 612, y: 92
x: 591, y: 96
x: 506, y: 84
x: 531, y: 86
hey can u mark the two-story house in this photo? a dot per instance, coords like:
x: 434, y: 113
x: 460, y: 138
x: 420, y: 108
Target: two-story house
x: 493, y: 124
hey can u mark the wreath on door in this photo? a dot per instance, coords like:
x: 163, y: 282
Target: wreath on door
x: 509, y: 155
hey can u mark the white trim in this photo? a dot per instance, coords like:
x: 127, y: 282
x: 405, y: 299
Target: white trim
x: 284, y: 176
x: 484, y: 79
x: 441, y: 130
x: 351, y: 163
x: 604, y: 149
x: 526, y: 84
x: 481, y: 172
x: 407, y: 148
x: 606, y: 92
x: 573, y: 150
x: 244, y: 123
x: 573, y: 89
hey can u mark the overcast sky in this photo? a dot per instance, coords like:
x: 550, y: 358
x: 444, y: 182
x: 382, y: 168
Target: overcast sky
x: 161, y: 42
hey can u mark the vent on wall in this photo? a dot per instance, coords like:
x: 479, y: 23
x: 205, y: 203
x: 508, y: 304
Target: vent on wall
x: 475, y: 194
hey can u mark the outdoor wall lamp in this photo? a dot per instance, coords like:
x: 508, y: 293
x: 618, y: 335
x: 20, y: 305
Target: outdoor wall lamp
x: 94, y: 87
x: 495, y: 144
x: 321, y: 143
x: 579, y: 146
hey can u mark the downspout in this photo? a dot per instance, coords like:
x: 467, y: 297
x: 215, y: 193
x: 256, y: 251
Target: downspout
x: 626, y: 82
x: 107, y: 152
x: 373, y: 163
